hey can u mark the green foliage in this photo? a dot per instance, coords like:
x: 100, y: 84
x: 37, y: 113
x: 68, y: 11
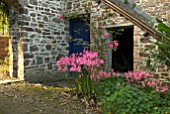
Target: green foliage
x: 162, y: 54
x: 85, y: 86
x: 82, y: 86
x: 4, y: 18
x: 118, y: 97
x: 83, y: 68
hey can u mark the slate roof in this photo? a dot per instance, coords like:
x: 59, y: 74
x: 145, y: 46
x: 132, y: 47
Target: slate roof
x: 134, y: 14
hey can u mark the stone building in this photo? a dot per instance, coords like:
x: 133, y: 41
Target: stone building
x: 39, y: 37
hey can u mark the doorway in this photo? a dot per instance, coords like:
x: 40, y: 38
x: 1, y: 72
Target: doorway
x: 122, y: 58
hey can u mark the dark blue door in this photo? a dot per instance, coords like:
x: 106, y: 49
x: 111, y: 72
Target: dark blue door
x: 79, y: 29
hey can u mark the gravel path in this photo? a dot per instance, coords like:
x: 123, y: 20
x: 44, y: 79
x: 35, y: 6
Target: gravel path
x: 25, y: 98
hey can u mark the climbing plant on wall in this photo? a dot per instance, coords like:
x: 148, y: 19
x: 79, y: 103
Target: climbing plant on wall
x: 4, y: 18
x: 102, y: 39
x: 162, y: 54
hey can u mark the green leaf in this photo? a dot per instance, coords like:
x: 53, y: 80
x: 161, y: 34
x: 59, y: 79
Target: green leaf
x: 134, y: 109
x: 148, y: 109
x: 107, y: 93
x: 108, y: 105
x: 113, y: 97
x: 140, y: 109
x: 100, y: 103
x: 155, y: 108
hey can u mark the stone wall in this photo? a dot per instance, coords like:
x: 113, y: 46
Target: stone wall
x: 38, y: 38
x: 155, y: 8
x: 98, y: 13
x: 98, y: 9
x: 45, y: 38
x: 15, y: 20
x: 114, y: 20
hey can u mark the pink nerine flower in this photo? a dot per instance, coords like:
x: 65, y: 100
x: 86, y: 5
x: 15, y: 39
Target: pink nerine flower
x: 103, y: 27
x: 107, y: 34
x: 102, y: 61
x: 151, y: 84
x: 116, y: 44
x: 61, y: 16
x: 73, y: 63
x: 114, y: 41
x: 111, y: 45
x: 164, y: 89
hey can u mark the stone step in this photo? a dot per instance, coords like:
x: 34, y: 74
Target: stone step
x: 6, y: 82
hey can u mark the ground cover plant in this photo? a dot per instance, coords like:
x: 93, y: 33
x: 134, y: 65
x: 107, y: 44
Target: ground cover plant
x: 119, y: 95
x: 134, y: 92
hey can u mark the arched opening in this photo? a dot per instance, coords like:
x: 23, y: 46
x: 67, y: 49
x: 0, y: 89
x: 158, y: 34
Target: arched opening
x: 12, y: 31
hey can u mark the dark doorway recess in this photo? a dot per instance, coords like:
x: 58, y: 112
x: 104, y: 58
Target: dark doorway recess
x: 80, y: 31
x: 122, y: 59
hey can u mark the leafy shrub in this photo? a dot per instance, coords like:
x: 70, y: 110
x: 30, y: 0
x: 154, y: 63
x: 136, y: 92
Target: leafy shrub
x: 162, y: 54
x: 119, y: 97
x: 86, y: 67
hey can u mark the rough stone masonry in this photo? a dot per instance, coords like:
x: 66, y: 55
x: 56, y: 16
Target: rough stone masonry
x: 160, y: 9
x: 39, y: 38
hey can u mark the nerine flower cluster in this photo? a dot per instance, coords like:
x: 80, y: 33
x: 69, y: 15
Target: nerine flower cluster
x: 75, y: 62
x: 146, y: 80
x: 86, y: 60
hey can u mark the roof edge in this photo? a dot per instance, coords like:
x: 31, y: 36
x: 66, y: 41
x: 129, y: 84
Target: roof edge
x: 130, y: 17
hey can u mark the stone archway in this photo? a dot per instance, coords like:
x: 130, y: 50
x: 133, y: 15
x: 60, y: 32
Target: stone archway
x: 16, y: 9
